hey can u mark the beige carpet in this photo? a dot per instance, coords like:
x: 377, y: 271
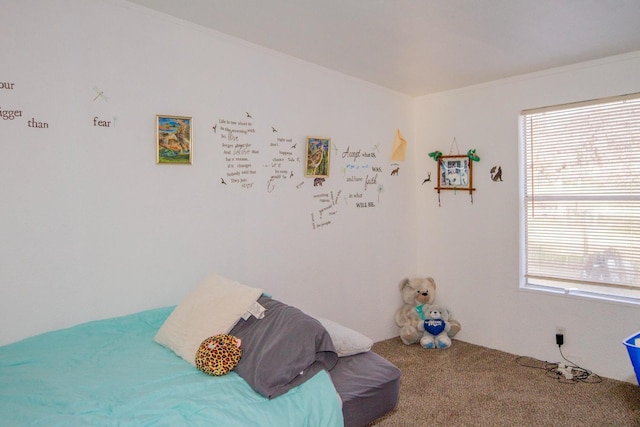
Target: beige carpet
x: 470, y: 385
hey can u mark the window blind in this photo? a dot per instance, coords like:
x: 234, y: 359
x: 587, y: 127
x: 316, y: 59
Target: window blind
x: 582, y: 195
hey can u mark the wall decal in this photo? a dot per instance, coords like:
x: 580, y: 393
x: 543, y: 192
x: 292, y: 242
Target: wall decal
x: 33, y: 123
x: 7, y: 85
x: 98, y: 122
x: 283, y: 161
x: 174, y: 144
x: 362, y: 174
x: 496, y: 173
x: 428, y: 178
x: 10, y: 114
x: 100, y: 94
x: 321, y: 217
x: 239, y: 153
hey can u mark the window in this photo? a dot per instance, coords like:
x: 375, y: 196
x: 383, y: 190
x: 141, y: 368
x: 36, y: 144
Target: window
x: 582, y: 198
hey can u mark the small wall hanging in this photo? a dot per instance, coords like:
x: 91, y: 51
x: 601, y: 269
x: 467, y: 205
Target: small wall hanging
x: 399, y: 149
x: 318, y: 151
x: 174, y: 140
x: 455, y: 171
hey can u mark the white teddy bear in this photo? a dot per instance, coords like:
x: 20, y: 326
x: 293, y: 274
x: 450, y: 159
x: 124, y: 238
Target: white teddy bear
x: 415, y: 293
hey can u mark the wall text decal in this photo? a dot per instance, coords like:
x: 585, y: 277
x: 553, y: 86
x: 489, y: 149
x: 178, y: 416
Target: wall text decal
x: 239, y: 153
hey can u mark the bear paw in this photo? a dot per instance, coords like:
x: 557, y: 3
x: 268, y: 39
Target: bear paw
x: 427, y: 342
x: 444, y: 341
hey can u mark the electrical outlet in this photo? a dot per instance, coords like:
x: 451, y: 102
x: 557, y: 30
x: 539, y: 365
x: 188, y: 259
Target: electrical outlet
x: 559, y: 330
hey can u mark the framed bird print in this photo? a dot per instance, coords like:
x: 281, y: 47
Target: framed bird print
x: 455, y: 173
x: 174, y: 140
x: 318, y: 152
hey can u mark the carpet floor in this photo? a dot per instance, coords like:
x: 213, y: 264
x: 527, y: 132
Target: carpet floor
x: 471, y: 385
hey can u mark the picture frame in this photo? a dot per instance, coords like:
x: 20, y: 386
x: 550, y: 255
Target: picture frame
x: 174, y: 140
x: 455, y: 172
x: 318, y: 153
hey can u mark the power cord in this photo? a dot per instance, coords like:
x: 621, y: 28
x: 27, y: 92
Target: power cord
x: 564, y: 373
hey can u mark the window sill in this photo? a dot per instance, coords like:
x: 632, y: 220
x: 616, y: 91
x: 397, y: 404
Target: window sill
x: 582, y: 294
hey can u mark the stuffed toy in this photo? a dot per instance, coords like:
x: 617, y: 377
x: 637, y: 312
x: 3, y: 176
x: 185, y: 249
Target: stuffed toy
x: 436, y: 326
x: 219, y: 354
x: 417, y: 293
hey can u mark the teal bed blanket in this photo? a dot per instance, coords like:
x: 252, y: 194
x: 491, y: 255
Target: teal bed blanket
x: 112, y: 373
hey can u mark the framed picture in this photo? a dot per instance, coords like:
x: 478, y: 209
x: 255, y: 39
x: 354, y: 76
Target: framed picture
x: 174, y: 140
x: 318, y: 152
x: 455, y: 173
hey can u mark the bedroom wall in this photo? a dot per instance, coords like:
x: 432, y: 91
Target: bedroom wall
x: 92, y: 227
x: 472, y: 250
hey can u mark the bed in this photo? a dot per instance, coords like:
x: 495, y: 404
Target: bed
x: 117, y: 372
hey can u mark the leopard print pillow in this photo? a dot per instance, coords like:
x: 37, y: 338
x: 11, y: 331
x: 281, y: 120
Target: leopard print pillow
x: 219, y: 354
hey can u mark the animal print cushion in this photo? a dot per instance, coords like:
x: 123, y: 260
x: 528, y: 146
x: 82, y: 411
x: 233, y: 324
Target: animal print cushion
x: 219, y: 354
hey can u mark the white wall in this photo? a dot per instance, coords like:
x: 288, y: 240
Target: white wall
x: 91, y: 227
x: 472, y: 250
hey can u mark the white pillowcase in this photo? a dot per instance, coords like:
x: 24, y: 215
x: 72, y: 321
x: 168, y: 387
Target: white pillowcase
x: 346, y: 341
x: 212, y: 308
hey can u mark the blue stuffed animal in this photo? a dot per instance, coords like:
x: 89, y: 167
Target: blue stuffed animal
x: 435, y: 327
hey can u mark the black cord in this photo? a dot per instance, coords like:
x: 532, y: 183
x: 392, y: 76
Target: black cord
x: 551, y: 370
x: 581, y: 374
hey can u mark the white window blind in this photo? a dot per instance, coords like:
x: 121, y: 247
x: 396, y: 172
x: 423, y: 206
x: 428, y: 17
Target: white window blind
x: 582, y: 196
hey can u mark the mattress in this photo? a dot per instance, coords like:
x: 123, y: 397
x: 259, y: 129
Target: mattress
x: 368, y: 385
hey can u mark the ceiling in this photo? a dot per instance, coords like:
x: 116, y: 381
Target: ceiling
x: 419, y: 47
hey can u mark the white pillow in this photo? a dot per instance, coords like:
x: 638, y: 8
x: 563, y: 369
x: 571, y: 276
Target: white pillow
x: 212, y: 308
x: 346, y: 341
